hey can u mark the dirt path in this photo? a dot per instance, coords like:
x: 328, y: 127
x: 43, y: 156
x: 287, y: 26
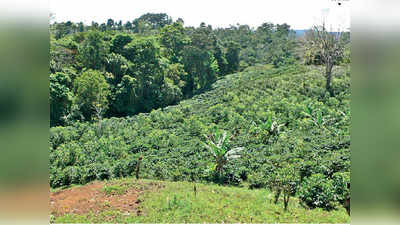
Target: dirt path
x: 92, y: 198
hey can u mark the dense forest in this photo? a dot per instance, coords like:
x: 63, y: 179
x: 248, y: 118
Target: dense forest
x: 232, y: 106
x: 115, y: 69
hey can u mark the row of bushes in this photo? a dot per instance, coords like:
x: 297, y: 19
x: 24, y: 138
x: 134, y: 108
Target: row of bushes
x: 278, y: 115
x: 314, y: 191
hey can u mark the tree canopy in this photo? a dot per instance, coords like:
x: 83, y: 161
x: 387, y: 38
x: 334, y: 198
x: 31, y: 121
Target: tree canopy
x: 151, y: 62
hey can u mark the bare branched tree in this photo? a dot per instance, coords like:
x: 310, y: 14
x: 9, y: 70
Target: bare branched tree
x: 330, y: 46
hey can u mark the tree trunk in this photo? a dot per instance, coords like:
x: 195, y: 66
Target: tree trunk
x: 138, y: 167
x: 277, y: 194
x: 286, y: 199
x: 328, y: 75
x: 346, y: 205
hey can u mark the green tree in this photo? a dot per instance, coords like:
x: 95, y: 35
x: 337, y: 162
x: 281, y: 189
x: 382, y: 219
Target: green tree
x: 125, y: 99
x: 91, y: 94
x: 128, y: 26
x: 174, y: 39
x: 170, y: 93
x: 201, y: 67
x: 119, y: 42
x: 93, y: 50
x: 144, y: 55
x: 60, y: 97
x: 330, y: 47
x: 265, y: 32
x: 199, y: 59
x: 177, y: 74
x: 118, y: 66
x: 64, y: 28
x: 220, y: 57
x: 174, y: 82
x: 155, y: 20
x: 110, y: 24
x: 232, y: 57
x: 283, y: 29
x: 63, y: 54
x: 284, y: 180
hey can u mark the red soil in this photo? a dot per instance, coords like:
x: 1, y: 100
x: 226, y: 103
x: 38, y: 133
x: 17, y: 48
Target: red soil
x: 91, y: 198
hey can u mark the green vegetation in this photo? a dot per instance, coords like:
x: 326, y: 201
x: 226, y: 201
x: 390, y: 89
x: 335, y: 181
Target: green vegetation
x: 231, y: 106
x: 114, y: 189
x: 150, y: 63
x: 176, y: 203
x: 218, y: 146
x: 314, y: 135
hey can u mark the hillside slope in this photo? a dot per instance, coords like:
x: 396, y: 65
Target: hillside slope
x: 315, y: 130
x: 147, y: 201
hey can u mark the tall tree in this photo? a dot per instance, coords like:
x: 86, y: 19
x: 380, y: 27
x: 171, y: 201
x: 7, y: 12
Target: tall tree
x: 232, y: 56
x: 199, y: 59
x: 155, y: 20
x: 119, y: 42
x: 128, y: 26
x: 60, y: 97
x: 91, y: 91
x: 330, y: 46
x: 144, y: 54
x: 110, y: 24
x: 93, y: 50
x: 174, y: 39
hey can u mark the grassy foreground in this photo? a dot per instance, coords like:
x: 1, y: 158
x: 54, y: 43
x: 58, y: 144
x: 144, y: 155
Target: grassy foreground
x: 177, y: 203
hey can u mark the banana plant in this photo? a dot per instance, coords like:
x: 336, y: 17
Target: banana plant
x: 271, y: 126
x: 218, y: 144
x: 316, y: 116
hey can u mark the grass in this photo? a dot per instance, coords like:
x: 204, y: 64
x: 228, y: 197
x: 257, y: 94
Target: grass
x: 114, y: 189
x: 177, y: 203
x: 65, y: 187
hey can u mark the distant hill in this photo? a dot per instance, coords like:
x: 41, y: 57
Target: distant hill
x: 300, y: 33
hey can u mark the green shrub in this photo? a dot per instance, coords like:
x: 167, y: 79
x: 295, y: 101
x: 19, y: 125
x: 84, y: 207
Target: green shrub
x: 73, y: 174
x: 317, y: 191
x: 57, y: 178
x: 257, y: 180
x: 119, y: 169
x: 284, y: 180
x: 170, y: 139
x: 341, y: 182
x: 88, y: 174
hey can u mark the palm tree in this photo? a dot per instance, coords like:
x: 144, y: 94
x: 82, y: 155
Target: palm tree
x: 218, y: 146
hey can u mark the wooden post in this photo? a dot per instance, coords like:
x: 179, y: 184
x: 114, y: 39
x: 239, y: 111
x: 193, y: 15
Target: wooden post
x: 138, y: 167
x: 346, y: 205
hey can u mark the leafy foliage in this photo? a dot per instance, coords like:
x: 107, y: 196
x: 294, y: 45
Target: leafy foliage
x: 170, y: 139
x: 218, y: 144
x: 156, y: 88
x: 92, y: 92
x: 318, y: 191
x: 60, y: 97
x: 153, y: 61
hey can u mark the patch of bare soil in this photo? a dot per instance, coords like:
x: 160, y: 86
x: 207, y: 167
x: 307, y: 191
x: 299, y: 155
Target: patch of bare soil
x: 92, y: 198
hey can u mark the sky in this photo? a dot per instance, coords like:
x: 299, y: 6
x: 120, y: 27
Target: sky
x: 299, y: 14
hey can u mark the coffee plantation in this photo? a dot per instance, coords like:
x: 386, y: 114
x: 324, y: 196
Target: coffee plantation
x: 282, y: 117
